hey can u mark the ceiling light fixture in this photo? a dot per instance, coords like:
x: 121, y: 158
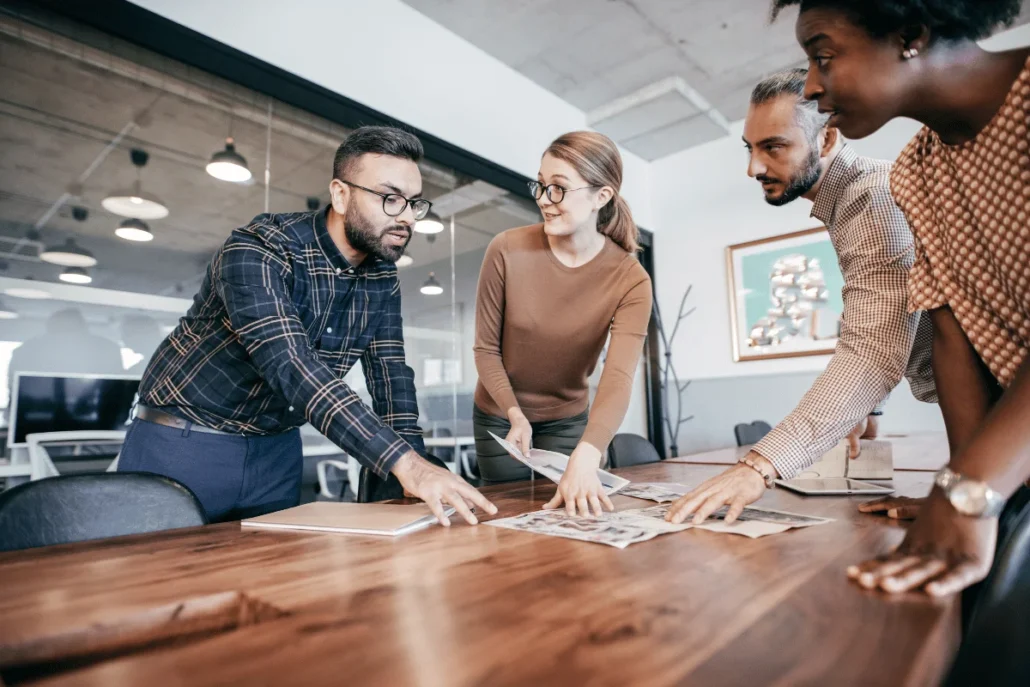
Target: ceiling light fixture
x: 228, y: 165
x: 6, y: 313
x: 404, y: 261
x: 68, y: 254
x: 133, y: 229
x: 28, y: 291
x: 75, y: 275
x: 135, y: 202
x: 432, y: 287
x: 430, y: 224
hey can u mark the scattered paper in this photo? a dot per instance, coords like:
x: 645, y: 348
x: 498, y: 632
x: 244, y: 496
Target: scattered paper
x: 662, y: 492
x: 632, y: 526
x: 552, y: 465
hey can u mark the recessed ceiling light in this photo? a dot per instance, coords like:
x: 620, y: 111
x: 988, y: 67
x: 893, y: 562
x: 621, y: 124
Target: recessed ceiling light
x: 430, y: 224
x: 69, y: 254
x: 75, y: 275
x: 228, y: 165
x: 28, y: 291
x: 431, y: 287
x: 404, y: 261
x: 133, y: 229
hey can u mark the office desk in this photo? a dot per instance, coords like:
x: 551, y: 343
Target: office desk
x: 486, y: 606
x: 924, y: 452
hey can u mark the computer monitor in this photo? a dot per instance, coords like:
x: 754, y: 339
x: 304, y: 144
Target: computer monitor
x: 42, y: 402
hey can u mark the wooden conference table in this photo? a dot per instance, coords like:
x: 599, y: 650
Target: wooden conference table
x: 478, y: 605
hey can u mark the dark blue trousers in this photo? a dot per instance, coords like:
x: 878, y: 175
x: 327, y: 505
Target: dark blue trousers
x: 233, y: 476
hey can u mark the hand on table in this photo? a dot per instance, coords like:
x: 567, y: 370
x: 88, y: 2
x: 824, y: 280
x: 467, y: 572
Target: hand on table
x: 737, y: 487
x: 521, y: 432
x: 868, y: 428
x: 580, y: 488
x: 438, y: 486
x: 944, y: 552
x: 897, y: 507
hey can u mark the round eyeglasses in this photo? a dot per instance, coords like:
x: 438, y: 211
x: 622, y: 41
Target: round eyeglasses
x: 395, y: 204
x: 555, y: 193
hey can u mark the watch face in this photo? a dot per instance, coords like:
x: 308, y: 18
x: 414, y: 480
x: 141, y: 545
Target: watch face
x: 969, y: 498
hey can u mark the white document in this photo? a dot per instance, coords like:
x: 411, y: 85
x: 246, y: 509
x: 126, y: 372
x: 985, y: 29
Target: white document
x: 876, y: 462
x: 662, y: 492
x: 632, y: 526
x: 552, y: 465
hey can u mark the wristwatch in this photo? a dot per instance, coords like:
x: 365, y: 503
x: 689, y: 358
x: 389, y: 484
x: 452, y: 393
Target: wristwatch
x: 969, y: 496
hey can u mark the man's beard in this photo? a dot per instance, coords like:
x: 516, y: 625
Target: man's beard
x: 362, y: 236
x: 801, y: 183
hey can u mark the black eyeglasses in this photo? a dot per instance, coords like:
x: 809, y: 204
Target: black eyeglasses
x: 555, y: 193
x: 394, y: 204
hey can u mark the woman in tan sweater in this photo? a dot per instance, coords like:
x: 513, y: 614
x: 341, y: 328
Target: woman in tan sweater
x: 549, y: 296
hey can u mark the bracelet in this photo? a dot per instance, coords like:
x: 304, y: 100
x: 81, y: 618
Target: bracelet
x: 768, y: 479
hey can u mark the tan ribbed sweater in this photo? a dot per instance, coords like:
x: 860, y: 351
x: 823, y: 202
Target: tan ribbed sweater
x: 541, y: 326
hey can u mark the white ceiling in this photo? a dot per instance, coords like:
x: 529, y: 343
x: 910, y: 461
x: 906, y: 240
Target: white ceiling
x: 698, y: 54
x: 62, y: 102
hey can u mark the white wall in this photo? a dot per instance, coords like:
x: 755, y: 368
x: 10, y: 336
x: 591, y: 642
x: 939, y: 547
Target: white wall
x: 704, y: 201
x: 389, y: 57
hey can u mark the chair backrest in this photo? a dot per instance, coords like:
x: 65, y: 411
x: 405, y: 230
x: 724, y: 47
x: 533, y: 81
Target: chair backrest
x: 748, y: 434
x: 72, y: 508
x: 372, y: 487
x: 631, y: 449
x: 994, y: 649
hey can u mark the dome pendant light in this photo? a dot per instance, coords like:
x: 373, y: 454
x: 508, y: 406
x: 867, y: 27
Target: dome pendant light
x: 133, y: 229
x: 68, y: 254
x: 7, y: 313
x: 75, y: 275
x: 430, y: 224
x: 404, y: 261
x: 431, y: 287
x: 228, y: 165
x: 135, y: 202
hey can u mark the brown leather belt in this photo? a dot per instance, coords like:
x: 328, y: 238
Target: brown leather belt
x: 159, y: 417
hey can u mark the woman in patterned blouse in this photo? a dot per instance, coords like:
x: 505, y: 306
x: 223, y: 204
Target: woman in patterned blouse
x: 964, y: 185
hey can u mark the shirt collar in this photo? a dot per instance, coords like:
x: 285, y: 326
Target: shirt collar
x: 834, y: 183
x: 332, y: 253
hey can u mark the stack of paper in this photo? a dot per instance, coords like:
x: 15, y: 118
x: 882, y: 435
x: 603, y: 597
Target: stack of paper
x: 349, y: 518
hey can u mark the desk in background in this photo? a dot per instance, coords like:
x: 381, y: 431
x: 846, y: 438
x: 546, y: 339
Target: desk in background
x: 922, y: 452
x: 474, y: 606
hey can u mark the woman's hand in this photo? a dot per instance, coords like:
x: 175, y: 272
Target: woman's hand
x: 580, y: 488
x: 521, y: 432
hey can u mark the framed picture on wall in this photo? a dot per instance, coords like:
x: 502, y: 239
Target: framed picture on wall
x: 785, y: 296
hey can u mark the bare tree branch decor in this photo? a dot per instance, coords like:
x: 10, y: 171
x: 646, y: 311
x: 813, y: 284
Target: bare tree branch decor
x: 668, y: 373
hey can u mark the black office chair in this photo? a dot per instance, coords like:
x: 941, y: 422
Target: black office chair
x: 994, y: 651
x: 72, y: 508
x: 748, y: 434
x: 631, y: 449
x: 372, y: 487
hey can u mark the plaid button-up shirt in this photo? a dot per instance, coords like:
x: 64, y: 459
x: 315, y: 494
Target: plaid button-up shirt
x: 879, y: 340
x: 280, y: 319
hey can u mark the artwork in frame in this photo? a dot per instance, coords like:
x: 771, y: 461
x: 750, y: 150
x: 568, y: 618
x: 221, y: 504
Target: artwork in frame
x: 785, y: 296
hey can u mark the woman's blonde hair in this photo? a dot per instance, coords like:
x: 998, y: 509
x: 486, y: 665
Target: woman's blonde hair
x: 596, y: 158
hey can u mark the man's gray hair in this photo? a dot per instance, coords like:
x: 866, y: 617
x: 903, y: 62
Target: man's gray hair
x: 791, y: 82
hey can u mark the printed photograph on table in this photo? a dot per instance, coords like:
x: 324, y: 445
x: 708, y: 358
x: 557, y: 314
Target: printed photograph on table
x: 785, y: 296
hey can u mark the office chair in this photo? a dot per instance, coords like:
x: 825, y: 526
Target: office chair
x: 73, y: 508
x: 372, y: 487
x: 994, y: 650
x: 631, y: 449
x: 748, y: 434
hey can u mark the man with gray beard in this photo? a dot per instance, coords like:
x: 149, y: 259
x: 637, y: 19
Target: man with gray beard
x: 793, y: 154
